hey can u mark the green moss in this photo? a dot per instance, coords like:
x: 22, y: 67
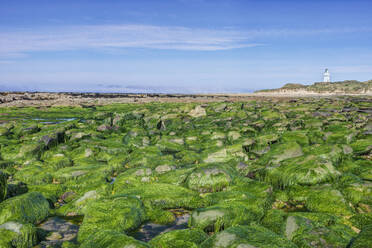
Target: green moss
x: 27, y: 208
x: 119, y: 213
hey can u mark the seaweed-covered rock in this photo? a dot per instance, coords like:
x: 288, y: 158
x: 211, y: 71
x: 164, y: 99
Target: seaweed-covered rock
x: 309, y: 170
x: 209, y: 179
x: 247, y: 236
x: 34, y: 173
x: 305, y: 233
x: 307, y: 229
x: 111, y: 239
x: 161, y: 195
x: 118, y: 213
x: 223, y: 215
x: 282, y: 152
x: 179, y: 239
x: 14, y: 234
x: 328, y: 200
x: 362, y: 146
x: 27, y: 208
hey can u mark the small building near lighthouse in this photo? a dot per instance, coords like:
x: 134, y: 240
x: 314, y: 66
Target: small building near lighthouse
x: 326, y: 76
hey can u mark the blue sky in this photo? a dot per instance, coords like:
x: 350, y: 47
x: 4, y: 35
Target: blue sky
x: 190, y: 46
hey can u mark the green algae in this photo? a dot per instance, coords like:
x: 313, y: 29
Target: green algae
x: 280, y: 164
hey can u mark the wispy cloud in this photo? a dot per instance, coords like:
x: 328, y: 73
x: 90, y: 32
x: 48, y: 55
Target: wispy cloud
x: 19, y: 42
x: 120, y: 36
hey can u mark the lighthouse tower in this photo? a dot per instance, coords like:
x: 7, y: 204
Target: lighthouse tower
x: 326, y: 76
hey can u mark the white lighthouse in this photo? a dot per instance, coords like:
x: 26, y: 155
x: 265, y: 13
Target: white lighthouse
x: 326, y: 76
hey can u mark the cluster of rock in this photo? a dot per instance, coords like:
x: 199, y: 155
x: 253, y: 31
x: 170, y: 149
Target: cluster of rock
x: 289, y: 173
x: 48, y: 99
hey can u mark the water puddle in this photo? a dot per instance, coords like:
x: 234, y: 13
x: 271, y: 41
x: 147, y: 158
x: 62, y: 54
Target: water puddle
x: 149, y: 231
x: 59, y: 230
x: 40, y: 120
x: 53, y: 121
x: 112, y: 180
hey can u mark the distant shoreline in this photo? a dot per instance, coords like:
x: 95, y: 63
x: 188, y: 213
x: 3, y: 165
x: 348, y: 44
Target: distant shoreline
x: 40, y: 99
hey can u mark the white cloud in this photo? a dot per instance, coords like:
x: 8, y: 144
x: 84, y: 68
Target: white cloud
x: 120, y: 36
x: 16, y: 43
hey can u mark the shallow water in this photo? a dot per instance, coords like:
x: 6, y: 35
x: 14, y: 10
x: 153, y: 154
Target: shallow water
x: 150, y: 230
x: 60, y: 230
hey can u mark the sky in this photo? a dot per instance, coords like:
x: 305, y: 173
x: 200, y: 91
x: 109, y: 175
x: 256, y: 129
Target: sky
x: 181, y: 46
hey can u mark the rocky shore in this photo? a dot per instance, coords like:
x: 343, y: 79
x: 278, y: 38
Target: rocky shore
x: 47, y: 99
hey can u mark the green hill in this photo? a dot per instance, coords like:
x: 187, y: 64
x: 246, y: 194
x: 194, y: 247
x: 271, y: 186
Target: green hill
x: 342, y: 87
